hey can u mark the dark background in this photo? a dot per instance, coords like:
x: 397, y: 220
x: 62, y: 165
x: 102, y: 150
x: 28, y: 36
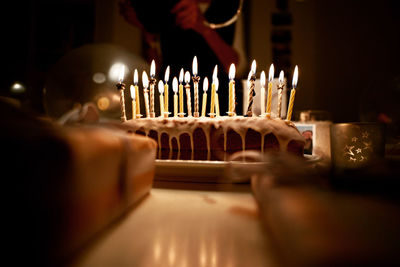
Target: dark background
x: 347, y: 51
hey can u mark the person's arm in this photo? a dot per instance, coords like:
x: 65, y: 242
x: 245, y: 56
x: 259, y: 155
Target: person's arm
x: 188, y: 16
x: 150, y: 44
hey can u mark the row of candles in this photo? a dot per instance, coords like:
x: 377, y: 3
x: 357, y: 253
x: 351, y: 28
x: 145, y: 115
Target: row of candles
x: 149, y: 87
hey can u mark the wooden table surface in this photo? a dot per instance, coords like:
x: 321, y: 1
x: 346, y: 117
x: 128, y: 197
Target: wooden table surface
x: 175, y: 227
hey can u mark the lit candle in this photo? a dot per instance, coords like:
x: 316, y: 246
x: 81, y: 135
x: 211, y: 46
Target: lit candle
x: 121, y: 89
x: 145, y: 81
x: 252, y: 91
x: 166, y: 79
x: 205, y: 88
x: 175, y: 89
x: 280, y: 89
x: 269, y: 99
x: 181, y: 113
x: 262, y: 98
x: 212, y: 105
x: 135, y: 82
x: 133, y: 96
x: 216, y: 82
x: 152, y: 84
x: 188, y: 98
x: 232, y: 71
x: 161, y: 91
x: 292, y: 93
x: 196, y: 80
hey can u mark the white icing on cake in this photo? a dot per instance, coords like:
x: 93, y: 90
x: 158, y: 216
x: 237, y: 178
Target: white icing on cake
x: 175, y: 127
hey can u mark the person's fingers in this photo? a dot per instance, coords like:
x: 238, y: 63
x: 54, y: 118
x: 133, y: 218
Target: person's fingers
x: 183, y: 4
x: 185, y: 15
x: 186, y: 23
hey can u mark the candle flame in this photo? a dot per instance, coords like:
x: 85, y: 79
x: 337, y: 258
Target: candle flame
x: 281, y: 77
x: 133, y: 92
x: 295, y: 76
x: 205, y: 85
x: 262, y: 79
x: 153, y: 69
x: 215, y: 73
x: 175, y: 85
x: 135, y: 77
x: 161, y: 87
x: 166, y: 75
x: 253, y: 67
x: 271, y: 73
x: 187, y: 77
x: 145, y: 80
x: 232, y: 71
x: 121, y: 73
x: 181, y: 75
x: 216, y: 82
x: 194, y: 66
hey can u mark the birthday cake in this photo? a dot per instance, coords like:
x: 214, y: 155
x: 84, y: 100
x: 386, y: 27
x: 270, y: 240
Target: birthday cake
x: 217, y: 138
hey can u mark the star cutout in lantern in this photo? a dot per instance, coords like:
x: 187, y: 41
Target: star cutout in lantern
x: 359, y: 147
x: 350, y: 151
x: 368, y: 145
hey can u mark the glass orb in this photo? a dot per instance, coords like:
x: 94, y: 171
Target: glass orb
x: 89, y: 74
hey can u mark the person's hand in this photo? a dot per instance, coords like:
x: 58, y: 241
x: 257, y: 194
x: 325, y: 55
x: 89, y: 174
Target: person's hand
x: 188, y: 15
x: 129, y: 14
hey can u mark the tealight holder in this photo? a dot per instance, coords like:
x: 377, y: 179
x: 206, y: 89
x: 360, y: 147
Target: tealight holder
x: 355, y: 145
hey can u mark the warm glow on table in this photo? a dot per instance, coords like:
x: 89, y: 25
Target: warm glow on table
x: 185, y: 228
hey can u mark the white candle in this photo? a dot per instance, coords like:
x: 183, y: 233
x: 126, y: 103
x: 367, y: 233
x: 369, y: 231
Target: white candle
x: 188, y: 98
x: 262, y: 94
x: 280, y: 89
x: 145, y: 81
x: 152, y: 84
x: 161, y: 91
x: 205, y: 88
x: 212, y: 105
x: 175, y: 89
x: 216, y: 82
